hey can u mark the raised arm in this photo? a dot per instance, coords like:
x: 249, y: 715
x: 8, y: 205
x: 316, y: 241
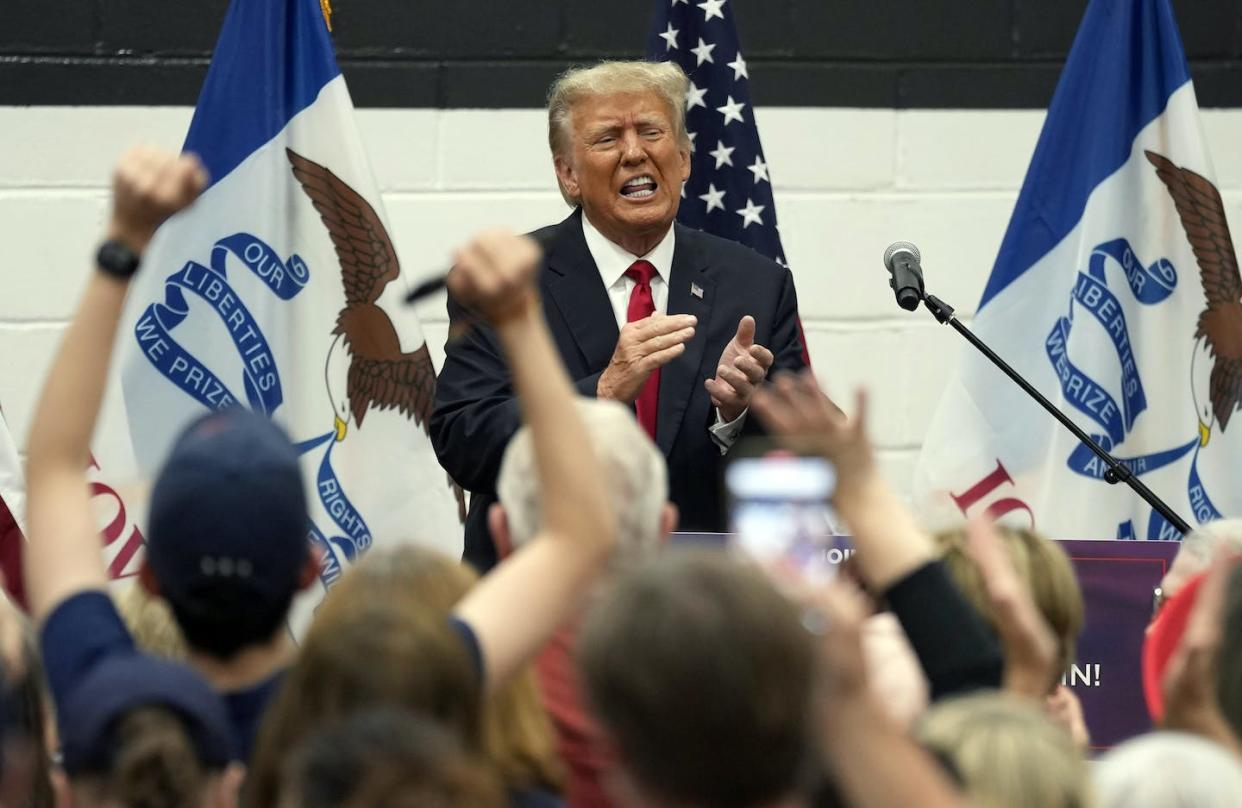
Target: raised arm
x: 870, y: 759
x: 895, y: 556
x: 520, y: 604
x: 63, y: 555
x: 475, y: 412
x: 890, y: 543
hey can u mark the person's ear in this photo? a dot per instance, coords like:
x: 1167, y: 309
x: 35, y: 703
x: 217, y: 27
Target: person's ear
x: 146, y: 579
x: 498, y: 526
x: 668, y: 520
x: 567, y: 177
x: 311, y: 568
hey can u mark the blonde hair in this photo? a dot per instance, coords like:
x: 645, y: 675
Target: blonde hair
x: 1007, y: 753
x: 635, y: 469
x: 151, y: 622
x: 665, y: 79
x: 1042, y: 565
x: 517, y: 736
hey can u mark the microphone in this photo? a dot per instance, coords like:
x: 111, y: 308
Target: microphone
x: 434, y: 284
x: 428, y: 287
x: 906, y: 276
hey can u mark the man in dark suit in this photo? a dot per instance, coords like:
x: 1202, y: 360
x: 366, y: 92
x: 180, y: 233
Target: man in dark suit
x: 681, y: 325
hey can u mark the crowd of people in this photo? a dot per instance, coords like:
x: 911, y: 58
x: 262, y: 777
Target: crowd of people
x: 595, y: 664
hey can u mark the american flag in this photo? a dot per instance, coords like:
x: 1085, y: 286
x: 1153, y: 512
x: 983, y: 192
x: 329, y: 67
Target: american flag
x: 729, y: 193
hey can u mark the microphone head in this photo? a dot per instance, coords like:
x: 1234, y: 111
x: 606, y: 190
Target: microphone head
x: 899, y: 247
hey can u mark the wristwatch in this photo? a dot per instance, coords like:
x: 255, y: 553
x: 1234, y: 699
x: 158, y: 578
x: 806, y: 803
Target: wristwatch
x: 116, y: 259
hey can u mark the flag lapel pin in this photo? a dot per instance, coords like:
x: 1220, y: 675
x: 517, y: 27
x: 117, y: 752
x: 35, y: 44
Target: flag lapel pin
x: 696, y: 291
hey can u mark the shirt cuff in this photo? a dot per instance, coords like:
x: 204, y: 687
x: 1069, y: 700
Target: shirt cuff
x: 725, y: 433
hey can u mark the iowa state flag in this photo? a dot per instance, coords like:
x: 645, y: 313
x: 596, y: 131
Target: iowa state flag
x: 280, y: 290
x: 1116, y: 293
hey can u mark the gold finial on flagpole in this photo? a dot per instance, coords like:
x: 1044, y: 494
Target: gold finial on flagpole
x: 326, y: 7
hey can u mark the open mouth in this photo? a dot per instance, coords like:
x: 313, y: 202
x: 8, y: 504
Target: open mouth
x: 640, y: 187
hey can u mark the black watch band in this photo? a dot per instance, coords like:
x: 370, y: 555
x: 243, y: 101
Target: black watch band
x: 116, y: 259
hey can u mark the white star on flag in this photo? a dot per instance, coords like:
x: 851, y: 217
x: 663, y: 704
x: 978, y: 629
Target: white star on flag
x: 750, y: 214
x: 711, y: 8
x: 732, y: 111
x: 692, y: 136
x: 694, y: 97
x: 760, y: 169
x: 722, y: 153
x: 703, y: 52
x: 670, y: 37
x: 738, y: 65
x: 675, y: 2
x: 713, y: 198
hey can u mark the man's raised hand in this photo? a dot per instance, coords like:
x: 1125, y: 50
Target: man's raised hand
x: 148, y: 186
x: 794, y: 408
x: 742, y: 368
x: 494, y: 274
x: 643, y: 346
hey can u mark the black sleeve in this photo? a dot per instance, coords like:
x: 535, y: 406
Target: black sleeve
x: 476, y: 411
x: 956, y: 649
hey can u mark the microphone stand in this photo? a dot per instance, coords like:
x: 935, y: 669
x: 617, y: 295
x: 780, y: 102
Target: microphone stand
x: 1115, y: 473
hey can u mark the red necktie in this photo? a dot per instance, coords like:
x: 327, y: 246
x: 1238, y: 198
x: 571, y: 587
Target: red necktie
x: 642, y: 304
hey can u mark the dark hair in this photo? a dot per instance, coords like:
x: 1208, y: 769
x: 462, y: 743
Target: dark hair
x: 224, y: 620
x: 386, y: 758
x: 154, y: 763
x: 1229, y: 670
x: 702, y: 674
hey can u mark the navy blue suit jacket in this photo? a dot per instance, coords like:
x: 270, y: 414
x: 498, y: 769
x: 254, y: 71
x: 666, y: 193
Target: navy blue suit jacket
x: 476, y: 412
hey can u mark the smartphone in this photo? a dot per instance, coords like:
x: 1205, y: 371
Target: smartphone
x: 781, y: 516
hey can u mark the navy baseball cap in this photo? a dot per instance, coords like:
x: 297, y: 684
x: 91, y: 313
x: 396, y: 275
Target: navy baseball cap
x: 125, y: 682
x: 228, y: 511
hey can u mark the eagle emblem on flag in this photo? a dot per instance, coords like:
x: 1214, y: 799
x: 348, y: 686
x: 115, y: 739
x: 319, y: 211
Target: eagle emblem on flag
x: 1216, y: 366
x: 366, y: 354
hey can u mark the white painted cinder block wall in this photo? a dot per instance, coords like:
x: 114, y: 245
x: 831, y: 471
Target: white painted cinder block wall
x: 847, y: 183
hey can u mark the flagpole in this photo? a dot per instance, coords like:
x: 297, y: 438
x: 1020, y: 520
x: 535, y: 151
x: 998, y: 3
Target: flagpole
x: 1116, y: 472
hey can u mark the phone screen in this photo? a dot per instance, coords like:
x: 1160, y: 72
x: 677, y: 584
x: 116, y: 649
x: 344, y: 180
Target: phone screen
x: 780, y: 512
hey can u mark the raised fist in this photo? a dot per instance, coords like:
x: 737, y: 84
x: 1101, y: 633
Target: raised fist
x: 148, y: 186
x: 494, y: 274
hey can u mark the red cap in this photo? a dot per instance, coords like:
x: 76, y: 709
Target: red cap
x: 1164, y: 635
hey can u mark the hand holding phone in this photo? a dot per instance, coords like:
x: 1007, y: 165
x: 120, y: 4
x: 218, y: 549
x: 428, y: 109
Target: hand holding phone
x: 781, y: 516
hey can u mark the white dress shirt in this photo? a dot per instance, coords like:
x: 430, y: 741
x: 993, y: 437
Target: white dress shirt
x: 613, y: 260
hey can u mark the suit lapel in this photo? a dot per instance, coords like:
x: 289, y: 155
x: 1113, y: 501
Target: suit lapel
x: 575, y: 288
x: 680, y: 378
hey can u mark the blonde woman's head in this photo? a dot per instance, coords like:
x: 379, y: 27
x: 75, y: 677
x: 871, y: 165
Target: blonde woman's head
x: 1007, y: 753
